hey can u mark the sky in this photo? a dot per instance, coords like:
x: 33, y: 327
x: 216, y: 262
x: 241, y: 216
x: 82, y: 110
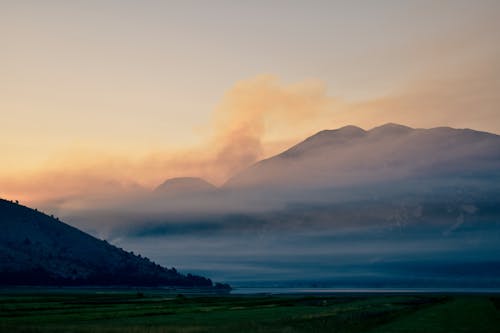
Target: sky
x: 100, y: 96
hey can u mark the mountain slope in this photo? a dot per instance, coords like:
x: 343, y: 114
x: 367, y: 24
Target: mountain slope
x: 36, y: 249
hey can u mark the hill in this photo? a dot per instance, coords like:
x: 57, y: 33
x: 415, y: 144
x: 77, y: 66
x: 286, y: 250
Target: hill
x: 184, y: 186
x: 36, y: 249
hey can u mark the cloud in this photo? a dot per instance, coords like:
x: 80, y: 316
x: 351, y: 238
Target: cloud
x: 251, y: 112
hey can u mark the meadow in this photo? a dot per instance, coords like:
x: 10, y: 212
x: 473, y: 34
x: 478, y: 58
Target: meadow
x: 156, y: 312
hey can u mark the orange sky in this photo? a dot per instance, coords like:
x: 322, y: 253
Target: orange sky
x: 97, y: 97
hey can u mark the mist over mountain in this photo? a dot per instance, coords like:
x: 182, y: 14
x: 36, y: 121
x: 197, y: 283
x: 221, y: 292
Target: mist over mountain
x: 347, y: 177
x: 390, y: 202
x: 36, y: 249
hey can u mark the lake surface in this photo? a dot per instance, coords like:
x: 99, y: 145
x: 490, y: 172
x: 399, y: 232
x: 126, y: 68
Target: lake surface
x: 277, y: 290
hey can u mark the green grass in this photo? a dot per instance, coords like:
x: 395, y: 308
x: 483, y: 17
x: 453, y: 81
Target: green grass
x: 157, y: 312
x: 461, y: 314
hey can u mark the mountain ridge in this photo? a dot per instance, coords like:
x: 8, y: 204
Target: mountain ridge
x: 351, y: 149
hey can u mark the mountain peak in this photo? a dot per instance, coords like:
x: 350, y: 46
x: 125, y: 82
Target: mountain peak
x: 184, y: 185
x: 391, y: 129
x: 347, y: 132
x: 350, y: 129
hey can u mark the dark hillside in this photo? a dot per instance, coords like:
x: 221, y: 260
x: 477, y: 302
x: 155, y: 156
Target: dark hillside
x: 36, y: 249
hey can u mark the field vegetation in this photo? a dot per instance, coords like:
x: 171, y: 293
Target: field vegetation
x: 158, y: 312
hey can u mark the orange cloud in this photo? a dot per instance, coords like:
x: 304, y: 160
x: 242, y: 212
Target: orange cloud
x: 255, y: 109
x: 250, y: 114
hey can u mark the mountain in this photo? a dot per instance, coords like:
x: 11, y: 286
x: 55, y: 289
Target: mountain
x: 184, y: 186
x: 351, y: 156
x: 390, y: 206
x: 391, y: 175
x: 36, y: 249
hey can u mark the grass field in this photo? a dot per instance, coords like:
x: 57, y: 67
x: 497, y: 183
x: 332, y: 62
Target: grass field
x: 155, y: 312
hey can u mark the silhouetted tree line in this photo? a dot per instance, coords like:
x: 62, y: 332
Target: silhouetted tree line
x: 40, y: 277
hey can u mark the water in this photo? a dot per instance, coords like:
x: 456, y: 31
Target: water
x: 277, y: 290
